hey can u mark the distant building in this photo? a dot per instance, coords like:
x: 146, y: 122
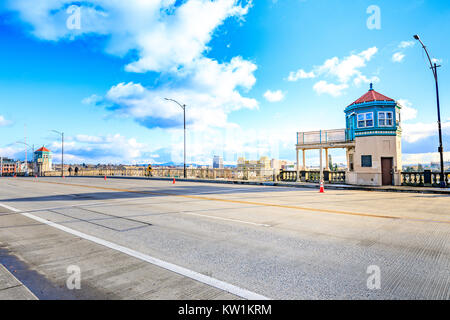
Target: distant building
x: 8, y: 167
x: 263, y: 163
x: 43, y: 160
x: 282, y: 165
x: 217, y: 162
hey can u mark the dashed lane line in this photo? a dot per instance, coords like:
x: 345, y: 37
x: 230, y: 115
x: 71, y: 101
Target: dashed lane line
x: 264, y: 204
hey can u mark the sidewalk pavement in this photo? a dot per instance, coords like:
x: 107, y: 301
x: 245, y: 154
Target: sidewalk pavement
x: 11, y: 288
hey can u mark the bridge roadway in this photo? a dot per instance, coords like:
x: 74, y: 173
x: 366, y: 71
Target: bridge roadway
x: 148, y: 239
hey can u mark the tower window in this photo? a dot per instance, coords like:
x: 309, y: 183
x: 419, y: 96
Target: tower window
x: 385, y: 119
x: 365, y: 120
x: 366, y: 161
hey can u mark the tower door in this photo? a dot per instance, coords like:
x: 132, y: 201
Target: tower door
x: 387, y: 171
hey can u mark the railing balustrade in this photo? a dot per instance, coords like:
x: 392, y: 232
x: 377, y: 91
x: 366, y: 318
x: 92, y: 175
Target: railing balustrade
x: 313, y: 176
x: 425, y: 178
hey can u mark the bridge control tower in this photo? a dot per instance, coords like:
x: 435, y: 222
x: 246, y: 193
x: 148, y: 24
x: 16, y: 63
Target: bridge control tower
x: 373, y: 122
x: 372, y: 139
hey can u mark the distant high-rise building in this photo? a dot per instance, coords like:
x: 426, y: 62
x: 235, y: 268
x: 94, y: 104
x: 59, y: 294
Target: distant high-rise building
x: 217, y: 162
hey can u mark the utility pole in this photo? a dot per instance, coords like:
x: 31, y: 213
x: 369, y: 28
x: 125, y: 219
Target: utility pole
x: 441, y: 148
x: 27, y: 145
x: 62, y: 151
x: 26, y: 149
x: 183, y: 106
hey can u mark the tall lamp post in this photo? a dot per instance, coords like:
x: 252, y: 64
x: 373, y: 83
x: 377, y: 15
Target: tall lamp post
x: 62, y: 151
x: 434, y: 67
x: 32, y: 148
x: 183, y: 106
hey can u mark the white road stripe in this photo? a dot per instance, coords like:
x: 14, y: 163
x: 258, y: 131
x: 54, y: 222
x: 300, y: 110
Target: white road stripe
x: 240, y: 292
x: 226, y: 219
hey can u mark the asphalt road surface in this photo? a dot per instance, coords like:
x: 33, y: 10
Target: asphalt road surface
x: 148, y: 239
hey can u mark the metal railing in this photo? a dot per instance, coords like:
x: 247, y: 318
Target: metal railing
x: 323, y: 137
x: 200, y: 173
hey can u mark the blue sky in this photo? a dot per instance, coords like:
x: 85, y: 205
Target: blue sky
x: 252, y: 74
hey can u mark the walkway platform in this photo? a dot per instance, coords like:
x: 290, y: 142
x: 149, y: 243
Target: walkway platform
x: 324, y: 139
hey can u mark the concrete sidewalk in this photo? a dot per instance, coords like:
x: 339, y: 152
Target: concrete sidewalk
x: 106, y: 274
x: 11, y: 288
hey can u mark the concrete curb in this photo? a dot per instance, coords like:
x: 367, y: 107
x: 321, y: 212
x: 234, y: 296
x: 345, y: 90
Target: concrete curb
x: 303, y: 185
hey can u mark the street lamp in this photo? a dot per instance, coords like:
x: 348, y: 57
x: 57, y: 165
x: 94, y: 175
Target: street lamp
x: 183, y: 106
x: 26, y: 161
x: 62, y: 151
x: 441, y: 148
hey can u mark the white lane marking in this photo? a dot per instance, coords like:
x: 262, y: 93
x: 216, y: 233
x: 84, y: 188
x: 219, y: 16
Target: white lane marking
x: 180, y: 212
x: 240, y: 292
x: 226, y: 219
x: 65, y: 194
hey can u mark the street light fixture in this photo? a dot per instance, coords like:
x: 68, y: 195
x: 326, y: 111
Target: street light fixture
x: 62, y: 151
x: 434, y: 67
x: 183, y: 106
x: 32, y: 148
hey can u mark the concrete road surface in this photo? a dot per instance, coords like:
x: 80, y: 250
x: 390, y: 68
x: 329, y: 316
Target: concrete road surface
x: 146, y: 239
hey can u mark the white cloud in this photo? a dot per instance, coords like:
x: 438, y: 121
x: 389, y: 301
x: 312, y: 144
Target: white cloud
x: 164, y: 35
x: 93, y: 99
x: 9, y: 152
x: 274, y: 96
x: 360, y: 79
x: 300, y: 74
x: 416, y: 158
x: 418, y: 131
x: 406, y: 44
x: 437, y: 61
x: 334, y: 90
x: 408, y: 113
x: 4, y: 122
x: 210, y: 90
x: 398, y: 57
x: 342, y: 70
x: 112, y: 148
x: 87, y: 138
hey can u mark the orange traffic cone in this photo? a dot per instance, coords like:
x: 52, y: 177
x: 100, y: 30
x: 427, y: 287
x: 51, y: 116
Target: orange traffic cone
x: 173, y: 181
x: 322, y: 189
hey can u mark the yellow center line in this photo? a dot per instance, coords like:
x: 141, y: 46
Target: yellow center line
x: 249, y: 203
